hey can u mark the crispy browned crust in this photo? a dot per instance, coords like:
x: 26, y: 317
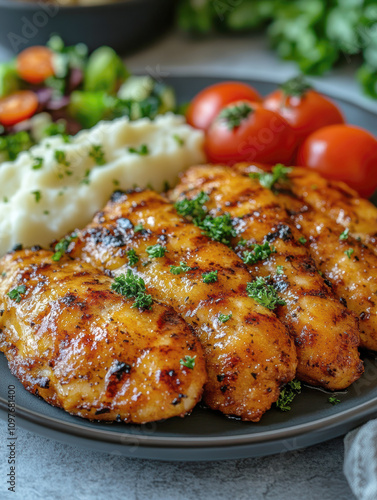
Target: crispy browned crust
x: 84, y: 348
x: 325, y: 332
x: 249, y: 357
x: 354, y: 279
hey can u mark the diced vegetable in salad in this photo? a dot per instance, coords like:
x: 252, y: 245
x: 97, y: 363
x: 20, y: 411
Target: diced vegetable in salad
x: 60, y: 90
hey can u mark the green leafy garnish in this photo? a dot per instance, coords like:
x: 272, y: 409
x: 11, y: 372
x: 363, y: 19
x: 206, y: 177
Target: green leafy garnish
x: 269, y: 179
x: 55, y: 128
x: 37, y: 195
x: 218, y: 228
x: 138, y: 228
x: 16, y: 293
x: 210, y: 277
x: 194, y: 208
x: 13, y: 144
x: 334, y: 400
x: 131, y: 286
x: 264, y: 294
x: 178, y: 140
x: 344, y: 235
x: 188, y: 362
x: 133, y: 258
x: 62, y: 246
x: 182, y: 268
x: 60, y: 157
x: 143, y: 150
x: 349, y: 252
x: 302, y: 240
x: 287, y: 395
x: 156, y: 251
x: 38, y: 163
x: 234, y: 115
x: 224, y: 317
x: 98, y: 154
x: 279, y: 270
x: 259, y: 252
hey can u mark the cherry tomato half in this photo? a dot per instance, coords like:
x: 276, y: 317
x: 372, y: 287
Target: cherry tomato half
x: 304, y: 109
x: 245, y: 131
x: 206, y: 105
x: 35, y: 64
x: 17, y: 107
x: 343, y: 153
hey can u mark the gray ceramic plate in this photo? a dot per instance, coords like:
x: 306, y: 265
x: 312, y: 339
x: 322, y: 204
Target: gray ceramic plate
x: 207, y: 435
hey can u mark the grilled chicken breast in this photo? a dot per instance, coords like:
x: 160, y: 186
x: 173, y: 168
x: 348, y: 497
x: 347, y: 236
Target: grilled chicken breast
x: 350, y: 266
x: 326, y: 334
x: 250, y: 355
x: 84, y: 348
x: 339, y: 202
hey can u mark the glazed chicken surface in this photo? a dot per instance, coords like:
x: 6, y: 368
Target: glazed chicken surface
x: 249, y: 354
x: 80, y: 346
x: 348, y: 264
x: 325, y: 332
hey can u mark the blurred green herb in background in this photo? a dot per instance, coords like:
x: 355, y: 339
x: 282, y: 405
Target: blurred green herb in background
x: 316, y: 34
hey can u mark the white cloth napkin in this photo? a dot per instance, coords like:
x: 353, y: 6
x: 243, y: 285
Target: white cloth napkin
x: 360, y: 461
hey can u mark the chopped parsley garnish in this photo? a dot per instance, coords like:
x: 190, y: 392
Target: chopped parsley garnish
x: 218, y: 228
x: 182, y: 268
x: 264, y: 294
x: 242, y: 243
x: 188, y: 362
x: 334, y: 400
x: 143, y: 150
x: 279, y: 270
x: 287, y: 395
x: 38, y: 163
x: 349, y: 252
x: 210, y: 277
x: 302, y: 240
x: 344, y: 235
x: 37, y: 195
x: 86, y: 179
x: 56, y: 128
x: 178, y: 140
x: 62, y: 246
x: 193, y: 208
x: 60, y: 157
x: 13, y: 144
x: 98, y: 154
x: 234, y: 115
x: 259, y: 252
x: 269, y: 179
x: 156, y: 251
x: 138, y: 228
x: 5, y: 199
x: 133, y: 287
x: 224, y: 317
x: 116, y: 182
x: 16, y: 293
x: 133, y: 258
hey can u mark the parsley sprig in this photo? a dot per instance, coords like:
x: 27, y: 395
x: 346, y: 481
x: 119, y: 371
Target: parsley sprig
x: 287, y: 395
x: 188, y: 362
x: 210, y: 277
x: 218, y: 228
x: 98, y: 154
x: 133, y: 258
x: 182, y: 268
x: 269, y: 179
x: 156, y: 251
x: 223, y: 318
x: 143, y: 150
x: 194, y: 208
x: 131, y: 286
x: 62, y: 246
x: 258, y: 253
x: 344, y: 235
x: 16, y: 293
x: 264, y: 293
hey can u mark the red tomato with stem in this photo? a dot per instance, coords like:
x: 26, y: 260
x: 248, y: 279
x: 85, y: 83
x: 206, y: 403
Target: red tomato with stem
x: 17, y: 107
x: 304, y: 109
x: 206, y: 105
x: 246, y: 131
x: 343, y: 153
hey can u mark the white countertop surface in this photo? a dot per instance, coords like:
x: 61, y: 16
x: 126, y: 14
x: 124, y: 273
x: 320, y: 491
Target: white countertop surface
x: 50, y: 470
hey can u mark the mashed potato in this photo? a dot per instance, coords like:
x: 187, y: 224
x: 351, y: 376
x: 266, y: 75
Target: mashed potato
x: 57, y: 186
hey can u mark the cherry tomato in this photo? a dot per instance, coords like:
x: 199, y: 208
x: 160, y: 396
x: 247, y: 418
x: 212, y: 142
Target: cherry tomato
x: 304, y: 109
x: 17, y: 107
x: 206, y: 105
x: 245, y: 131
x: 343, y: 153
x: 35, y: 64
